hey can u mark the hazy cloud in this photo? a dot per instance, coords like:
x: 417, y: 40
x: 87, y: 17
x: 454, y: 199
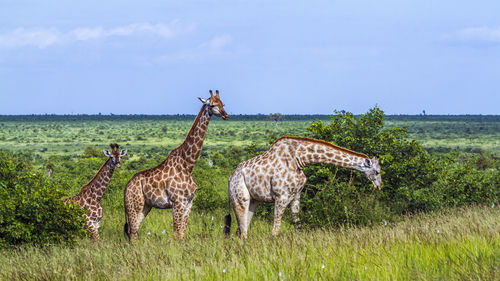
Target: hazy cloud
x: 213, y: 47
x: 38, y: 37
x: 482, y: 34
x: 45, y: 37
x: 217, y: 42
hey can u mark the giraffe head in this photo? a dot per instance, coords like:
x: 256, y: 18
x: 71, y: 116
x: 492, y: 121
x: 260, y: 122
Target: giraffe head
x: 215, y: 105
x: 371, y: 168
x: 115, y: 154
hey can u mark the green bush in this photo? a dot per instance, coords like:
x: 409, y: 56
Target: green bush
x: 31, y: 210
x: 462, y: 180
x: 212, y: 178
x: 211, y: 182
x: 413, y: 180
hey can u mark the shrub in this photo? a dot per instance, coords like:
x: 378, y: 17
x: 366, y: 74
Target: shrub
x: 413, y: 180
x: 462, y: 180
x: 31, y: 210
x: 92, y: 151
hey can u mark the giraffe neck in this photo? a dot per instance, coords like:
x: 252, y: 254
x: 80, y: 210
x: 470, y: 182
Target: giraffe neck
x: 312, y: 152
x: 190, y: 149
x: 97, y: 186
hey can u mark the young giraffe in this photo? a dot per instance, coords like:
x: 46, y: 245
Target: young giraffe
x: 276, y: 176
x: 90, y: 195
x: 171, y: 184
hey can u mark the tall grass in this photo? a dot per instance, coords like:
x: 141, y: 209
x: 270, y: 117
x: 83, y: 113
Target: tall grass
x: 459, y: 244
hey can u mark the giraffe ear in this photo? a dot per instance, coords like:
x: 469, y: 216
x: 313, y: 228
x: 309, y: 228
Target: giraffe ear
x: 123, y: 152
x: 368, y: 163
x: 106, y: 152
x: 204, y: 101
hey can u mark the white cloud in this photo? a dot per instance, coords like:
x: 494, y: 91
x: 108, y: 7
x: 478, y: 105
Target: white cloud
x: 478, y: 34
x: 216, y: 46
x: 43, y: 37
x: 84, y: 34
x: 37, y: 37
x: 217, y: 42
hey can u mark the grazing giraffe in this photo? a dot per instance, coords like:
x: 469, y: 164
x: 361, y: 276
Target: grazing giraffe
x: 90, y: 195
x: 276, y: 176
x: 171, y: 184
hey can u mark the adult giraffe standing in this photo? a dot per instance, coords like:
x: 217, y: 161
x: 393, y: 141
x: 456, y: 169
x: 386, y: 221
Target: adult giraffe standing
x: 171, y: 184
x: 90, y: 195
x: 276, y: 176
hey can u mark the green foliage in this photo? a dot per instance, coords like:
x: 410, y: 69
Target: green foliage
x: 463, y: 180
x: 92, y: 151
x: 210, y: 182
x: 465, y: 248
x: 211, y: 175
x: 31, y: 210
x: 413, y: 180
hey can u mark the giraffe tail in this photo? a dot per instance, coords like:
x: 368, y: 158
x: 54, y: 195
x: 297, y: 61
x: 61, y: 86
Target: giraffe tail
x: 227, y: 227
x: 125, y: 230
x: 227, y: 218
x: 125, y: 226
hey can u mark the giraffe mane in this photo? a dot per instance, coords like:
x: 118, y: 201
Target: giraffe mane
x: 192, y: 128
x: 324, y: 143
x: 93, y: 180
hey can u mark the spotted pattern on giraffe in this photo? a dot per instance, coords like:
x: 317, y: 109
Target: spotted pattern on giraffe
x: 277, y: 176
x: 90, y: 195
x: 171, y: 184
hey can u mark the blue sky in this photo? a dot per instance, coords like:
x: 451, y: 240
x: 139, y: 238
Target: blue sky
x: 306, y: 57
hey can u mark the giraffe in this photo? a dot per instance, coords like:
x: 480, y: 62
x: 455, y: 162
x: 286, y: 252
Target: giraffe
x: 171, y: 184
x: 277, y: 176
x: 90, y: 195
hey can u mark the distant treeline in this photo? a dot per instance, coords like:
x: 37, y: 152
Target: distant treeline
x: 236, y: 117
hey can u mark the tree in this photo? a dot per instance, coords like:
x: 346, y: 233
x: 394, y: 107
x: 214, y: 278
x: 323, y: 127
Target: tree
x: 336, y: 195
x: 276, y: 117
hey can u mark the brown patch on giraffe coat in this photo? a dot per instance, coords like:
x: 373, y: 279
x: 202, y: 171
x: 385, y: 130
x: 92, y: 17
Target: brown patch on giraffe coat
x: 324, y: 143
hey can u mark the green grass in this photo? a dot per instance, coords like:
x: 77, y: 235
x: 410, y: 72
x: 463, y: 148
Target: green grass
x: 467, y: 246
x: 459, y: 244
x: 69, y: 135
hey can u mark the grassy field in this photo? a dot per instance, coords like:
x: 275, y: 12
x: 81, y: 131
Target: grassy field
x: 462, y: 133
x: 146, y: 136
x: 459, y: 244
x: 69, y: 135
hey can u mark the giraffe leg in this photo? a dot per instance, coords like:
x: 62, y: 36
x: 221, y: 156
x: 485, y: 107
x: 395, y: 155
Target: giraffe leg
x: 180, y: 212
x: 136, y: 210
x: 251, y: 211
x: 183, y: 214
x: 295, y: 206
x: 241, y: 207
x: 93, y: 229
x: 240, y: 200
x: 279, y: 208
x: 140, y: 218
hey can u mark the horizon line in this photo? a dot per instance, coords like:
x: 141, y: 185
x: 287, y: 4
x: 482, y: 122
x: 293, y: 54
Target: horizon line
x: 237, y: 114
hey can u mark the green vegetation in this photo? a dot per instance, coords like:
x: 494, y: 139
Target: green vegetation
x: 70, y: 135
x: 458, y: 244
x: 145, y: 136
x: 31, y: 210
x: 354, y: 231
x: 413, y: 180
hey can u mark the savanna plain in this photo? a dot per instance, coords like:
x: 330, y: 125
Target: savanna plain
x: 428, y: 237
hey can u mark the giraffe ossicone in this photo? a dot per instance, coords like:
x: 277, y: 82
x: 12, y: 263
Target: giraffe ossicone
x: 277, y: 176
x: 90, y: 195
x: 171, y: 184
